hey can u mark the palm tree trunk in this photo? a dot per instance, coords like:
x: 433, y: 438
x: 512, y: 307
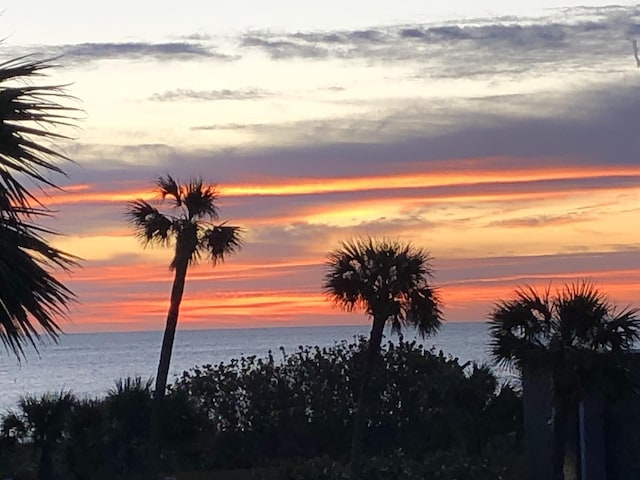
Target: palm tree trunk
x: 559, y: 439
x: 177, y: 290
x: 572, y: 445
x: 357, y: 437
x: 45, y: 469
x: 566, y: 446
x: 170, y: 329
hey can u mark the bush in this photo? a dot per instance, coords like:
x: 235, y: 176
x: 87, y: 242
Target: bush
x: 428, y: 417
x: 261, y: 410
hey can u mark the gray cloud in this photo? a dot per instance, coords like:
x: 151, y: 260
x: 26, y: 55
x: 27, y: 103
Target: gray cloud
x: 210, y: 95
x: 284, y: 49
x: 578, y: 38
x: 81, y: 53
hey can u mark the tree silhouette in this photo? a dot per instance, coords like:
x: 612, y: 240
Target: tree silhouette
x: 575, y: 335
x: 32, y: 300
x: 44, y: 419
x: 390, y: 281
x: 190, y: 229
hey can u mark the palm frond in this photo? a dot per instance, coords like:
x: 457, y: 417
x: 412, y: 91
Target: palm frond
x: 520, y: 329
x: 151, y: 226
x: 131, y: 385
x: 200, y: 200
x: 220, y: 241
x: 620, y: 331
x: 581, y: 310
x: 29, y: 116
x: 168, y: 186
x: 31, y: 299
x: 425, y: 311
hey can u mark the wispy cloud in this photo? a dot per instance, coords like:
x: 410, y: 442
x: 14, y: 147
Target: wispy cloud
x: 229, y: 126
x: 182, y: 94
x: 81, y: 53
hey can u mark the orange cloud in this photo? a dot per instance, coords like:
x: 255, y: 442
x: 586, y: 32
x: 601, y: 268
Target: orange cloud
x: 446, y: 174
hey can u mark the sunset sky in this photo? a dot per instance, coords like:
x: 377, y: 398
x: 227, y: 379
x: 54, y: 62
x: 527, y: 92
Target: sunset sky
x: 503, y: 139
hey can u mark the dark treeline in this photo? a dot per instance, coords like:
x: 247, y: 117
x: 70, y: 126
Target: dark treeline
x: 428, y: 415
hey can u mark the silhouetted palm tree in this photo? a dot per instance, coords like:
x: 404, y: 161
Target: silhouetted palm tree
x: 32, y: 300
x: 44, y: 420
x: 577, y: 337
x: 189, y: 227
x: 390, y: 281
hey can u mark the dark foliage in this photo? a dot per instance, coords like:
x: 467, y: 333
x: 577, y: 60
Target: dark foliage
x: 263, y: 409
x: 433, y: 418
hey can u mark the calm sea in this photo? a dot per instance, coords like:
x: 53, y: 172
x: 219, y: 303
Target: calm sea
x: 89, y: 364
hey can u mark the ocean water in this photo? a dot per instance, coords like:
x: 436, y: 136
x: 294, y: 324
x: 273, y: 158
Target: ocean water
x: 89, y: 364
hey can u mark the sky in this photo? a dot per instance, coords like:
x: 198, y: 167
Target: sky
x: 504, y: 139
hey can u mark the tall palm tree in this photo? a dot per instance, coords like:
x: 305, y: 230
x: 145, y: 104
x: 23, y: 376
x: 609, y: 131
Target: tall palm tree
x: 189, y: 227
x: 32, y: 300
x: 390, y: 281
x: 577, y: 336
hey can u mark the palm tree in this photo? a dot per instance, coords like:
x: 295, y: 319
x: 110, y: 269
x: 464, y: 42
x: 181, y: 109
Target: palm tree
x: 390, y: 281
x: 44, y: 419
x: 577, y: 336
x: 189, y: 227
x: 31, y: 115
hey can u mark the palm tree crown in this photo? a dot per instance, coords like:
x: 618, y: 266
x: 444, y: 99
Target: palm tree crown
x: 577, y: 319
x: 32, y: 300
x: 388, y: 280
x: 189, y: 226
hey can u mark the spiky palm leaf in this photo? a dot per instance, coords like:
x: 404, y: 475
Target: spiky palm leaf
x: 221, y: 240
x: 32, y: 300
x: 168, y: 186
x: 29, y: 292
x: 384, y: 278
x: 150, y: 225
x: 520, y: 329
x: 29, y: 118
x: 200, y: 200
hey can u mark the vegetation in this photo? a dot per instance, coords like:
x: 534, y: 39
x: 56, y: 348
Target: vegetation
x: 577, y: 336
x: 33, y: 300
x: 399, y: 412
x: 390, y: 282
x: 435, y: 418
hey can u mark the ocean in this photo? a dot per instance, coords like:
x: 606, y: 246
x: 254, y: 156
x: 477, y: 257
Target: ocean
x: 89, y: 364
